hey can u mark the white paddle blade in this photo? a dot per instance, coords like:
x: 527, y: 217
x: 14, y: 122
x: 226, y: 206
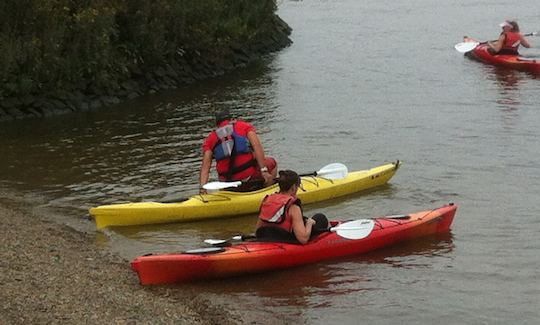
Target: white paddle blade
x: 219, y: 242
x: 334, y: 171
x: 221, y: 185
x: 356, y: 229
x: 215, y: 241
x: 465, y: 47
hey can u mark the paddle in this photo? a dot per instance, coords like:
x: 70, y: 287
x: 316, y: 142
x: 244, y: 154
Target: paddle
x: 331, y: 171
x: 356, y: 229
x: 465, y: 47
x: 220, y: 242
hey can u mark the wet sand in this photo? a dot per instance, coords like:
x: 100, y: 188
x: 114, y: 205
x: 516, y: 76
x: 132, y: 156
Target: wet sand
x: 50, y: 273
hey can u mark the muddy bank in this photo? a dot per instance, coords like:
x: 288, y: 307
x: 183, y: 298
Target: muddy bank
x: 51, y: 274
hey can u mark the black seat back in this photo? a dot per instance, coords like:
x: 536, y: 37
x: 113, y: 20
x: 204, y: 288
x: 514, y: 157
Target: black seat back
x: 275, y: 234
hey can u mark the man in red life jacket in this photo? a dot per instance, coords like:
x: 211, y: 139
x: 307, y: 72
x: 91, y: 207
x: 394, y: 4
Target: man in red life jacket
x: 239, y: 155
x: 509, y: 40
x: 280, y: 215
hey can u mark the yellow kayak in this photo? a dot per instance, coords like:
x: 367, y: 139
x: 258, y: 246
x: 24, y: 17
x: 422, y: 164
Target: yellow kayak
x: 228, y: 203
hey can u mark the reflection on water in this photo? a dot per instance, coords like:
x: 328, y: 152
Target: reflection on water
x: 341, y: 275
x: 509, y: 85
x: 165, y: 238
x: 406, y: 255
x: 213, y: 228
x: 307, y: 286
x: 146, y: 149
x: 467, y: 132
x: 507, y: 81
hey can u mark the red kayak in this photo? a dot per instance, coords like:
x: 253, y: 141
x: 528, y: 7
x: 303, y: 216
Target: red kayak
x: 481, y: 53
x: 344, y: 238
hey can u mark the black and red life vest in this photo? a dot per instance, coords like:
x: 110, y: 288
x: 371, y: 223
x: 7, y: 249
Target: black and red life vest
x: 511, y: 43
x: 230, y: 146
x: 274, y: 211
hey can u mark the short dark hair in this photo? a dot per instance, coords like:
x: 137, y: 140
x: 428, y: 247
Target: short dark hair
x: 223, y: 115
x: 288, y: 178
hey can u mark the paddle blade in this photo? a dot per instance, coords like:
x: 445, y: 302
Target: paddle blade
x: 356, y: 229
x: 227, y: 242
x: 215, y: 241
x: 333, y: 171
x: 221, y: 185
x: 465, y: 47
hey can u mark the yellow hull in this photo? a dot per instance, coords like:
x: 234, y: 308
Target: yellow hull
x: 226, y: 203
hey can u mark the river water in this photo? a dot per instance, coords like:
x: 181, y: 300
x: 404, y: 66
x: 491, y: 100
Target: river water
x: 364, y: 83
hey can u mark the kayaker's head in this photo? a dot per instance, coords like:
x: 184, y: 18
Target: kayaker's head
x: 288, y: 181
x: 515, y: 26
x: 509, y: 26
x: 222, y: 115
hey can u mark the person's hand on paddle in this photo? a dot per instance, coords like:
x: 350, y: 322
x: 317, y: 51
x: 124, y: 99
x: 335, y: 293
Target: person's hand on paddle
x: 268, y: 178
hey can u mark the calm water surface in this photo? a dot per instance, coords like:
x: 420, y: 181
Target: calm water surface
x: 365, y: 82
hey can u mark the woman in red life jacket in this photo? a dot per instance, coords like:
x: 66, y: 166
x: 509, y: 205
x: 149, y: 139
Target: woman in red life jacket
x: 239, y: 155
x: 280, y: 216
x: 509, y: 40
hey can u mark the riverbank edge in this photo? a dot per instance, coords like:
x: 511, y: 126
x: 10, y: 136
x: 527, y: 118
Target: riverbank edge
x: 187, y: 68
x: 50, y: 273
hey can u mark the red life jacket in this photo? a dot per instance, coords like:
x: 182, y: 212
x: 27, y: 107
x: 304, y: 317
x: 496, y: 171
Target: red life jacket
x: 233, y: 153
x: 274, y: 211
x: 511, y: 42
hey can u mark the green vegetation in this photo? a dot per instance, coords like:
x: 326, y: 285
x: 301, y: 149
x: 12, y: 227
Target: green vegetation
x: 53, y: 48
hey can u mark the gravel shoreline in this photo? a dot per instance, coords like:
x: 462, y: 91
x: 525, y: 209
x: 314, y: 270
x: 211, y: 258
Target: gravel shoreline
x: 50, y: 274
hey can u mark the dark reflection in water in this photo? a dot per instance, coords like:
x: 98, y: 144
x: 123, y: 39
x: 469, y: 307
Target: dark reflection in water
x: 507, y: 81
x: 316, y: 286
x: 405, y: 255
x: 148, y: 149
x: 362, y: 84
x: 510, y: 97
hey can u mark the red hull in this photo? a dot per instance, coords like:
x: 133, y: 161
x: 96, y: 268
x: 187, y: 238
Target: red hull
x: 482, y: 54
x: 251, y: 257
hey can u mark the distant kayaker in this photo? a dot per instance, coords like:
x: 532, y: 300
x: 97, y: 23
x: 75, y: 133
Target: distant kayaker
x: 280, y: 215
x: 509, y: 40
x: 239, y: 155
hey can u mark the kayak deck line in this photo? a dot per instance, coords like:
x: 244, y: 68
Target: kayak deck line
x: 212, y: 195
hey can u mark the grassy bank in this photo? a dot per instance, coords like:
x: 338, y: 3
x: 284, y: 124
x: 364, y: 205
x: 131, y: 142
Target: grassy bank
x: 65, y: 55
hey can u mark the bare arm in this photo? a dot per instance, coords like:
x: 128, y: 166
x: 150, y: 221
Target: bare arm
x: 524, y: 42
x: 301, y: 231
x: 497, y: 45
x: 205, y: 169
x: 258, y: 152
